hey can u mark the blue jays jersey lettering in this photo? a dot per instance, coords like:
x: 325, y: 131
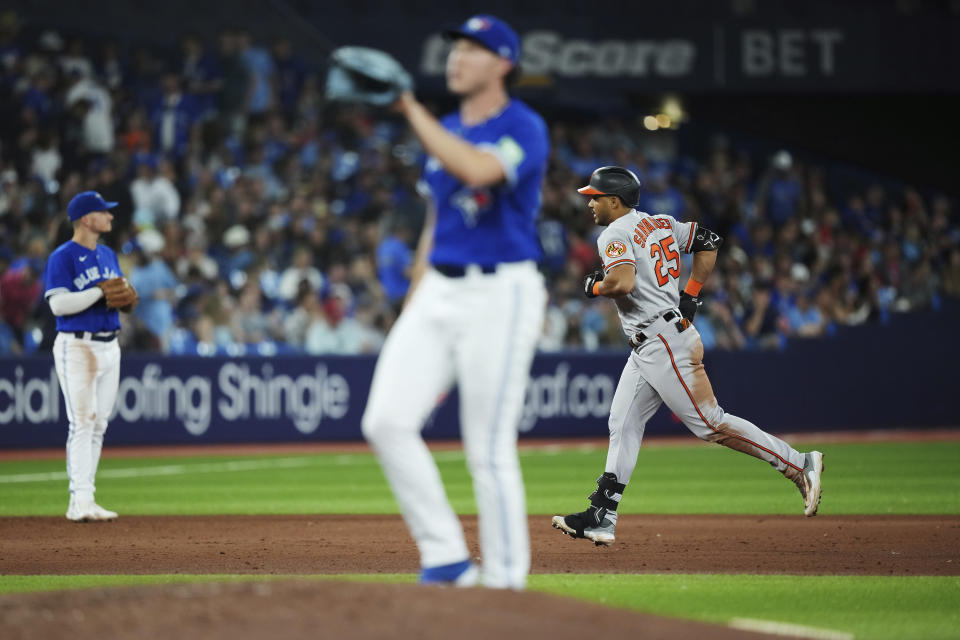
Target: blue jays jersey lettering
x: 493, y: 224
x: 72, y: 267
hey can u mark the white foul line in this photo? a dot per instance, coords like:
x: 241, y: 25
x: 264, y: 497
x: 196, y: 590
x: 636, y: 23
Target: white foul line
x: 222, y: 467
x: 788, y: 629
x: 214, y: 467
x: 179, y: 469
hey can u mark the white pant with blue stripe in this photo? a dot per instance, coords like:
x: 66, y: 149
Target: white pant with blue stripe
x: 479, y: 332
x: 89, y: 374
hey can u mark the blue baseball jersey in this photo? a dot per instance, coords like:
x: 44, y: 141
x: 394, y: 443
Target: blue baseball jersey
x: 73, y: 267
x: 497, y: 223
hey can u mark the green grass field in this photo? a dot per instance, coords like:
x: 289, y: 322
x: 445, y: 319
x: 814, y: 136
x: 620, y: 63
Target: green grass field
x: 876, y: 478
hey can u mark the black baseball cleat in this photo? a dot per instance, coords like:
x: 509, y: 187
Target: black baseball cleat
x: 580, y: 525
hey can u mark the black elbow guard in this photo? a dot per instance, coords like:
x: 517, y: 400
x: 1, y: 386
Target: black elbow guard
x: 705, y: 240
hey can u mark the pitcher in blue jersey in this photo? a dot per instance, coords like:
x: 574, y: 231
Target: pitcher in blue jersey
x: 86, y: 354
x: 473, y: 314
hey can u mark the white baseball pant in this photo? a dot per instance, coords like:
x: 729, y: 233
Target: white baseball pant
x: 668, y: 367
x: 89, y: 374
x: 480, y: 332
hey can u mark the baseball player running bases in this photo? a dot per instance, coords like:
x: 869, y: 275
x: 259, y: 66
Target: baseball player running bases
x: 85, y: 289
x: 641, y: 267
x: 472, y: 318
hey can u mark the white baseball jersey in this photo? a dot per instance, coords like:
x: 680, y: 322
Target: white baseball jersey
x: 653, y: 245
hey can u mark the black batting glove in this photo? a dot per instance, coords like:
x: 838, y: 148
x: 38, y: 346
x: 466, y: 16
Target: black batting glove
x: 589, y: 281
x: 689, y: 305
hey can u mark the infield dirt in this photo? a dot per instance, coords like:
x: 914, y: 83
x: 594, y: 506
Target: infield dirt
x: 881, y: 545
x: 308, y: 544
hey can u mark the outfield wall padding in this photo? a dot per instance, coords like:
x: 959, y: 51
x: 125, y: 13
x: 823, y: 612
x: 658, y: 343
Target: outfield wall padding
x: 900, y: 374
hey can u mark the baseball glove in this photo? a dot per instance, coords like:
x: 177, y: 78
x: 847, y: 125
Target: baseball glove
x: 369, y: 76
x: 119, y: 294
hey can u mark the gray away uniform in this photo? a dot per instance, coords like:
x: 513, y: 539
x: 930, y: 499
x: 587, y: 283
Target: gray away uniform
x: 668, y: 364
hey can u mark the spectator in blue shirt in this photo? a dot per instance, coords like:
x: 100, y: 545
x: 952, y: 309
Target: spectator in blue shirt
x: 581, y: 158
x: 554, y: 244
x: 173, y: 116
x: 760, y: 320
x: 39, y: 95
x: 780, y: 195
x: 156, y: 284
x: 237, y: 255
x: 291, y: 71
x: 855, y: 216
x: 261, y: 71
x: 394, y: 258
x: 201, y: 73
x: 659, y: 196
x: 803, y: 318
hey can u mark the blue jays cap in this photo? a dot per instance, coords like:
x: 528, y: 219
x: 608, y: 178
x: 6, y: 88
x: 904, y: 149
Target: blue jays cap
x: 491, y: 32
x: 87, y: 202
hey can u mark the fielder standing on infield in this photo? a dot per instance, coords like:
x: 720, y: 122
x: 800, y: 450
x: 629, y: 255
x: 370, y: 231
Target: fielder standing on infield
x: 85, y: 288
x: 473, y: 315
x: 641, y: 268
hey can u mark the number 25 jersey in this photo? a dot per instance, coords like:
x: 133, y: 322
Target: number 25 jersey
x: 652, y: 244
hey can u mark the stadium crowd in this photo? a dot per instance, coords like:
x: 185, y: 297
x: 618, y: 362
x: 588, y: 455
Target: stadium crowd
x: 255, y: 219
